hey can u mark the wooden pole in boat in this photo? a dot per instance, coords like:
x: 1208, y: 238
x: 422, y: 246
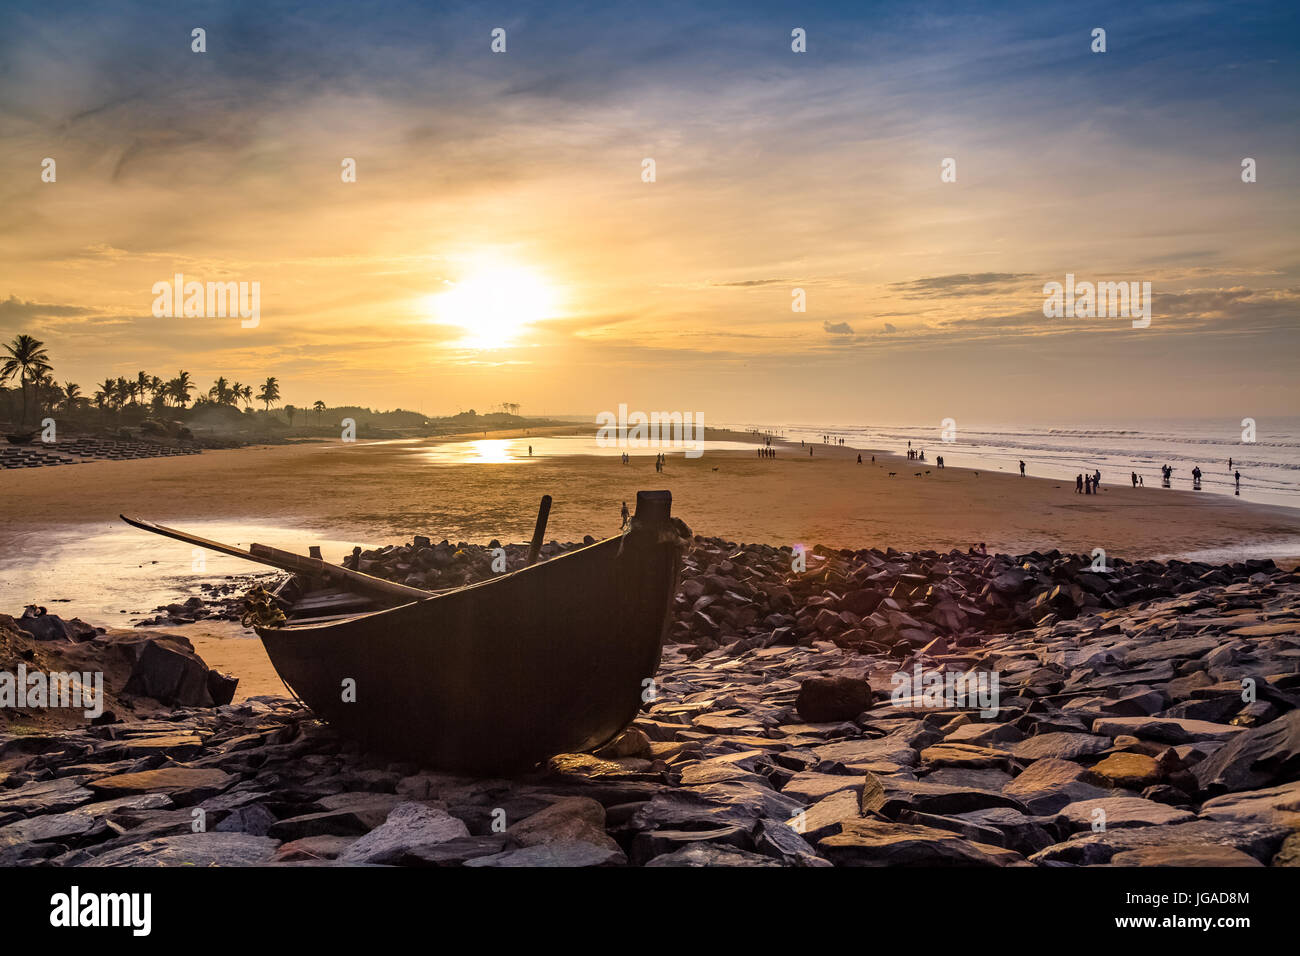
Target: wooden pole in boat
x: 539, y: 532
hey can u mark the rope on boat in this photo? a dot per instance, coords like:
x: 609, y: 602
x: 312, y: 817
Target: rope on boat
x: 260, y: 609
x: 675, y: 531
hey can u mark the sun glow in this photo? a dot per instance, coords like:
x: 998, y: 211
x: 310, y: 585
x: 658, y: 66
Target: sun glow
x: 495, y: 304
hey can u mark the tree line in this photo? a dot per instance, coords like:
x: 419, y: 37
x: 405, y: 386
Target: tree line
x: 26, y: 361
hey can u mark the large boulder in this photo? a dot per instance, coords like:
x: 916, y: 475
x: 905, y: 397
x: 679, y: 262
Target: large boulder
x: 1255, y: 758
x: 828, y: 699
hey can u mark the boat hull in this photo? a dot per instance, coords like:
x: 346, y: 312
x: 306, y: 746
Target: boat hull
x: 500, y: 675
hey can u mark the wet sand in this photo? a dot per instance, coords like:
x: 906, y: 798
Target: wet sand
x: 377, y: 493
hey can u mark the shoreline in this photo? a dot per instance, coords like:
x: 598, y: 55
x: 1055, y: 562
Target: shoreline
x: 380, y: 491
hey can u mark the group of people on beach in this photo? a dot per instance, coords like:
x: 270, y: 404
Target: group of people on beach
x: 1087, y: 484
x: 661, y: 462
x: 766, y: 451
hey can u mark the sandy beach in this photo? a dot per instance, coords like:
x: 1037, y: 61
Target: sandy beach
x: 383, y: 492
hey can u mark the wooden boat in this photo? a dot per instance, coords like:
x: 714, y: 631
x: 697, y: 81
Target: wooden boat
x: 493, y: 677
x: 20, y: 438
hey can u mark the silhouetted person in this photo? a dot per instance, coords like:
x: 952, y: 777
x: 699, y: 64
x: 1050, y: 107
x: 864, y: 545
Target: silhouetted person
x: 1237, y: 477
x: 1134, y: 476
x: 1078, y: 484
x: 859, y: 459
x: 625, y: 514
x: 1022, y: 469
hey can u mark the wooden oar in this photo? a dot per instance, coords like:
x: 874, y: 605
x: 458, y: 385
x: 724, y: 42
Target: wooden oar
x: 294, y: 563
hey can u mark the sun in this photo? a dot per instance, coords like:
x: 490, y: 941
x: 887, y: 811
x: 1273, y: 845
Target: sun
x: 494, y: 304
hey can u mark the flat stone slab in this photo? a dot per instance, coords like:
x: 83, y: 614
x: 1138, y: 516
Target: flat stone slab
x: 1061, y: 746
x: 185, y: 785
x: 811, y: 787
x: 827, y: 815
x: 1280, y: 804
x: 1184, y: 856
x: 408, y: 826
x: 1258, y: 840
x: 1129, y: 771
x: 890, y: 795
x: 192, y: 849
x: 47, y: 796
x: 554, y: 855
x: 1122, y: 812
x: 872, y: 843
x: 1166, y: 729
x: 1256, y: 758
x: 970, y: 756
x: 855, y: 754
x: 1049, y: 784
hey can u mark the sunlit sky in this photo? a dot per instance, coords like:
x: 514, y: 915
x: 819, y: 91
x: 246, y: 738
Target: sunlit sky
x: 499, y: 244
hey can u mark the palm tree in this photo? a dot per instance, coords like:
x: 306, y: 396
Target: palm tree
x: 157, y: 386
x: 269, y: 392
x: 124, y: 389
x: 101, y: 398
x: 319, y: 406
x: 71, y: 396
x: 142, y: 383
x: 28, y: 360
x: 47, y: 391
x: 180, y: 388
x: 246, y: 393
x: 108, y: 388
x: 220, y: 391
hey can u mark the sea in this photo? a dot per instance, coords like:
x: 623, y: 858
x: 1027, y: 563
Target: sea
x: 1269, y: 464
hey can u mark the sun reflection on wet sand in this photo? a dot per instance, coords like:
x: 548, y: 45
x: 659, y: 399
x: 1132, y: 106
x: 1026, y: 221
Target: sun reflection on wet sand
x: 510, y: 451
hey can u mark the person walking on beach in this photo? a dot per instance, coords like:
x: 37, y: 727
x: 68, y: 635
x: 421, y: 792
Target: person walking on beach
x: 1096, y: 480
x: 1134, y: 476
x: 859, y: 459
x: 530, y: 451
x: 1196, y: 478
x: 1237, y: 477
x: 1087, y: 484
x: 1078, y: 484
x: 624, y: 514
x: 1022, y: 469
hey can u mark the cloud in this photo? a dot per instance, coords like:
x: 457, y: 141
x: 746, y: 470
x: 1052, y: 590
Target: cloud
x: 15, y: 309
x: 961, y: 283
x: 746, y: 283
x: 838, y: 328
x: 889, y: 328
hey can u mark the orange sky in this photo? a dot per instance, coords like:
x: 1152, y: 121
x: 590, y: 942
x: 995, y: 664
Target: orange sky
x: 774, y: 172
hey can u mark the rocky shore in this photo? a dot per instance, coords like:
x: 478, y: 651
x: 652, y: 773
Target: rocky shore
x: 807, y: 712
